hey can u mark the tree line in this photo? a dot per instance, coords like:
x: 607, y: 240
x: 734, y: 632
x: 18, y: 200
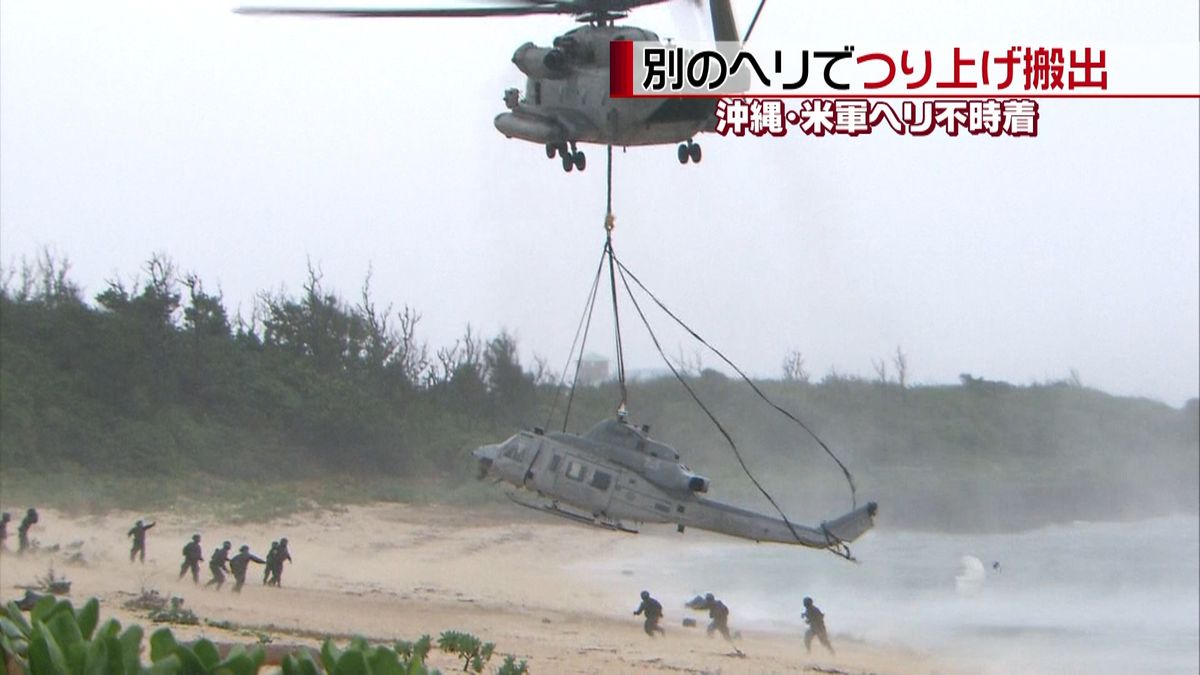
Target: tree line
x: 155, y: 375
x: 155, y: 378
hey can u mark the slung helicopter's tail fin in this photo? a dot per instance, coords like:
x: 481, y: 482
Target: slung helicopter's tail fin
x: 852, y: 525
x: 724, y: 26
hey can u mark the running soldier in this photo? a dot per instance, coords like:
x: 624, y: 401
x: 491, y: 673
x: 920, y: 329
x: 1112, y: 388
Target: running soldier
x: 719, y: 613
x: 138, y: 532
x: 238, y: 565
x: 31, y: 518
x: 268, y: 576
x: 216, y: 565
x: 653, y: 611
x: 275, y: 568
x: 4, y: 520
x: 192, y: 556
x: 815, y: 619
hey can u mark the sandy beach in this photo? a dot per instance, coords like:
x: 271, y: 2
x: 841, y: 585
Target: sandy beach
x: 521, y: 580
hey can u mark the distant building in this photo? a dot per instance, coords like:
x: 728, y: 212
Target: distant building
x: 593, y: 369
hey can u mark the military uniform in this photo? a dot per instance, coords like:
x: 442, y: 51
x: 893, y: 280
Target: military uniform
x: 31, y: 518
x: 275, y: 566
x: 719, y: 613
x: 192, y: 556
x: 653, y: 611
x: 216, y: 565
x: 816, y: 627
x: 4, y: 519
x: 238, y: 565
x: 138, y: 532
x: 268, y: 572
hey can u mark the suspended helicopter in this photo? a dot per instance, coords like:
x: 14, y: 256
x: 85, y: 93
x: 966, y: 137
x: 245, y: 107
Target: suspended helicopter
x: 616, y: 473
x: 566, y: 100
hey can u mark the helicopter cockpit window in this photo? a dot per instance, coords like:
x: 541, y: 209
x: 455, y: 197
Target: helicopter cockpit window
x: 601, y: 480
x: 512, y: 448
x: 576, y: 471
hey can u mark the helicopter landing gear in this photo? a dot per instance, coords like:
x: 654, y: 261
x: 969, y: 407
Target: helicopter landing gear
x: 572, y: 159
x: 689, y: 151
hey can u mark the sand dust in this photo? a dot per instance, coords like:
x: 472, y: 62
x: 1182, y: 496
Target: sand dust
x: 393, y: 571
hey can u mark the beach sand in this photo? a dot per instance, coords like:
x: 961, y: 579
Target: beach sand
x: 524, y: 581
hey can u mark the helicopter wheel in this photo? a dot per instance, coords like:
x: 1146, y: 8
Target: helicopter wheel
x: 580, y: 161
x: 684, y: 153
x: 567, y: 162
x: 551, y: 151
x: 694, y: 152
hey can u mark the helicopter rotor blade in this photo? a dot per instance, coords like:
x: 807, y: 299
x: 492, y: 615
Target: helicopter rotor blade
x: 505, y: 8
x: 478, y: 8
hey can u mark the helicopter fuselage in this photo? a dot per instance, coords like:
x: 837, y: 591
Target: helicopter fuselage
x: 566, y: 99
x: 616, y: 473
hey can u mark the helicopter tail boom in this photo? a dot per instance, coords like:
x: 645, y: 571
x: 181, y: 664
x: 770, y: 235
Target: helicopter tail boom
x: 726, y: 519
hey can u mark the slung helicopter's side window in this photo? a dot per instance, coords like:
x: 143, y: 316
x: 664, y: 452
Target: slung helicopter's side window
x: 601, y: 480
x: 576, y: 471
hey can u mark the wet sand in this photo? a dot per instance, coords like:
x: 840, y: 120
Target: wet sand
x: 523, y: 581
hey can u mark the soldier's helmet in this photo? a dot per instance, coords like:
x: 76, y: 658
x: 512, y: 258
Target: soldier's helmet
x: 807, y: 602
x: 645, y: 595
x: 709, y: 597
x: 227, y: 544
x: 139, y: 523
x: 6, y: 516
x: 283, y: 541
x: 31, y: 512
x: 195, y: 537
x: 244, y: 548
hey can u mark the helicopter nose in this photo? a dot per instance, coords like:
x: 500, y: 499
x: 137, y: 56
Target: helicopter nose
x: 486, y: 454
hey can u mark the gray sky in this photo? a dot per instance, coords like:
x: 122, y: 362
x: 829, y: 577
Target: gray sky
x: 242, y: 146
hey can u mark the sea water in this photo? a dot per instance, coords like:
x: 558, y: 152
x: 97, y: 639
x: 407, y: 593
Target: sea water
x: 1080, y: 597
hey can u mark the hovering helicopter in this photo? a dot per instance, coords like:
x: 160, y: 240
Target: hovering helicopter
x: 616, y: 472
x: 566, y: 100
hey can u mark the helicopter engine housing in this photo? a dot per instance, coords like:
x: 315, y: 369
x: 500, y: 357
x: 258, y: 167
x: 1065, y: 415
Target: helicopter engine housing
x: 542, y: 63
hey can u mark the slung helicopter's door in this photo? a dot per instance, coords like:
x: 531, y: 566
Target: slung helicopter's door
x: 585, y: 485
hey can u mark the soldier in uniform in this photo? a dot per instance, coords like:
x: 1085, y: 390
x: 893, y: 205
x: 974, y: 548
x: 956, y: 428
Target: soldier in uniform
x: 281, y: 556
x: 138, y: 532
x: 268, y: 573
x: 192, y: 556
x: 719, y: 613
x: 4, y: 520
x: 216, y: 565
x: 31, y: 518
x: 815, y: 619
x: 653, y: 611
x: 238, y: 565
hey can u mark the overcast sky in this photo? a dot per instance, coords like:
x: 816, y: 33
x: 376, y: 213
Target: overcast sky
x: 243, y: 146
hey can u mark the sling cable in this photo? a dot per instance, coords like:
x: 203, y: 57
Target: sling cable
x: 617, y: 269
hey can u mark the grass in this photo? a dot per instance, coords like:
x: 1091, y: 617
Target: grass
x: 231, y: 500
